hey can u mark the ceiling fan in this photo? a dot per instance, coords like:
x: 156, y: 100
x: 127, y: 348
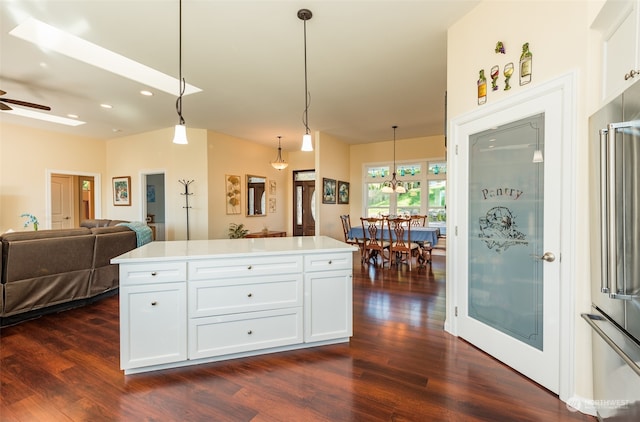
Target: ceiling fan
x: 3, y: 106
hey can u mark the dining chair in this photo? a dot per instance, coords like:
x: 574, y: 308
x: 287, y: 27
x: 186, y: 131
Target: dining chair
x: 401, y: 247
x: 374, y: 243
x: 346, y: 228
x: 419, y: 220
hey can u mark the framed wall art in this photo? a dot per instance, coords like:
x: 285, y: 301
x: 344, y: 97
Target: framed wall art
x: 272, y: 205
x: 343, y: 192
x: 233, y: 193
x: 121, y: 190
x: 328, y: 191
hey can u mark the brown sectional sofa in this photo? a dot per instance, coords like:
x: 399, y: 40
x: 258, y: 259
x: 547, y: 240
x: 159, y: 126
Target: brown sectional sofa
x: 51, y: 270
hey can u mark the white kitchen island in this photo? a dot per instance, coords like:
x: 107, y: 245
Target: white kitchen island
x: 196, y: 301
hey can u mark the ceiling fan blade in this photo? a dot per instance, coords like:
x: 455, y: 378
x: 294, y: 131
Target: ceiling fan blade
x: 25, y: 104
x: 3, y: 106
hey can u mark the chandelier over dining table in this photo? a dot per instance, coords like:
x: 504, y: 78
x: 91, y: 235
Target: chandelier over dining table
x: 393, y: 185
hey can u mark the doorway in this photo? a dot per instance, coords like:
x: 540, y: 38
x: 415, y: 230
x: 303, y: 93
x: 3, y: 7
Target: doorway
x: 510, y: 292
x: 304, y: 203
x: 71, y: 197
x: 154, y: 209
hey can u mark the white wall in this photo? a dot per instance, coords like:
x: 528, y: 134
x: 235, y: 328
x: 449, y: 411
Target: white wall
x: 25, y: 156
x: 154, y: 152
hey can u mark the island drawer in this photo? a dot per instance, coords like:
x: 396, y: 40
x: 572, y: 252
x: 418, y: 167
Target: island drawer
x: 245, y: 294
x: 328, y: 261
x: 244, y: 267
x: 228, y: 334
x: 152, y: 272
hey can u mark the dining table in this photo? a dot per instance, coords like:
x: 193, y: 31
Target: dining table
x: 418, y: 234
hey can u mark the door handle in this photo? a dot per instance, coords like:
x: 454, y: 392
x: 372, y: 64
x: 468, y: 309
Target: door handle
x: 547, y: 256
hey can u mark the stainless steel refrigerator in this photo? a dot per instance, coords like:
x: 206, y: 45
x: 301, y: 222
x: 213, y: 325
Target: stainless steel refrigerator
x: 615, y: 256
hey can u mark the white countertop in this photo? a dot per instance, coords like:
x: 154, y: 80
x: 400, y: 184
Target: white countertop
x: 220, y: 248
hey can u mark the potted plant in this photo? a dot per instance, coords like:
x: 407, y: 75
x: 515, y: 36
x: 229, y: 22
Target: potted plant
x: 237, y: 231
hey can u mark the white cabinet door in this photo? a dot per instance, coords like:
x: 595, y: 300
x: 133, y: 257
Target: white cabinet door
x: 153, y: 324
x: 621, y: 48
x: 328, y: 305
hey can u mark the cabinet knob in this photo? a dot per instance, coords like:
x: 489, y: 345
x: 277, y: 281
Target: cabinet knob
x: 153, y: 274
x: 329, y: 262
x: 154, y: 303
x: 249, y: 332
x: 249, y: 267
x: 250, y: 295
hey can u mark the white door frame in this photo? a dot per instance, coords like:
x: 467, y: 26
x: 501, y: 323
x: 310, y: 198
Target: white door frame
x: 566, y: 85
x: 97, y: 185
x: 143, y: 194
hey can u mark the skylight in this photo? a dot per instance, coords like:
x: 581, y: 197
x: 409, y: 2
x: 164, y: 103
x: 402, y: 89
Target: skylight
x: 43, y: 116
x: 49, y: 37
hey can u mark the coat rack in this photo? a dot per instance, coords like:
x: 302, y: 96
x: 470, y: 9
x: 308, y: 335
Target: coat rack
x: 186, y: 194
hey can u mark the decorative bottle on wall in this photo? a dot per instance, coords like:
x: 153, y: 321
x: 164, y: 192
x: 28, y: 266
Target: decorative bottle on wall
x: 525, y: 65
x: 482, y: 88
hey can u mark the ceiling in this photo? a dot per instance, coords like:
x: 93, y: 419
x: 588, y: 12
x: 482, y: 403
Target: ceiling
x: 371, y: 64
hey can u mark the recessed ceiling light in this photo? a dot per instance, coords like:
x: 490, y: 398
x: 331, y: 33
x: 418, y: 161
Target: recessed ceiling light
x: 146, y: 93
x: 43, y: 116
x: 47, y: 36
x: 108, y: 106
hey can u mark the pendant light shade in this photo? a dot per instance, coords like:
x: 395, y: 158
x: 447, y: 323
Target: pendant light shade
x: 306, y: 143
x: 180, y: 135
x: 305, y: 15
x: 393, y: 186
x: 279, y: 163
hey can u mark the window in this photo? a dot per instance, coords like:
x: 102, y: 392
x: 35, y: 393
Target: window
x: 437, y: 178
x: 413, y: 177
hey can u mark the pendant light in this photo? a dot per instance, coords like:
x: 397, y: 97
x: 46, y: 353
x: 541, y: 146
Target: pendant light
x: 305, y: 15
x: 279, y: 163
x: 180, y: 135
x: 393, y: 185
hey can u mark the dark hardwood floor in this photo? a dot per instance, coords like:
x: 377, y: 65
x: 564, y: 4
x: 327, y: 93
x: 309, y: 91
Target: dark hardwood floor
x: 399, y: 366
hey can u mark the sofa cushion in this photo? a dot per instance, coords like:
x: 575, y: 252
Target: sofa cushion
x: 110, y: 229
x: 31, y: 258
x: 96, y: 222
x: 44, y: 234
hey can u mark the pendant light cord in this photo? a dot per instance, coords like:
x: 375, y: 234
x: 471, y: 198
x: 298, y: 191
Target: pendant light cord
x: 182, y: 82
x: 394, y: 151
x: 306, y: 89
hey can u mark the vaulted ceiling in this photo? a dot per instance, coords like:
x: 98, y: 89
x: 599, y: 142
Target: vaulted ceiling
x: 371, y: 64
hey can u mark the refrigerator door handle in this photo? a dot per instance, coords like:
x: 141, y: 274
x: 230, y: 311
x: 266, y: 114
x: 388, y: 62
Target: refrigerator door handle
x: 604, y: 207
x: 632, y: 364
x: 610, y: 222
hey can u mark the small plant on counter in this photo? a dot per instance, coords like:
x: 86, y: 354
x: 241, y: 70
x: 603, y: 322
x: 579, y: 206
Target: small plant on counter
x: 31, y: 219
x: 237, y: 231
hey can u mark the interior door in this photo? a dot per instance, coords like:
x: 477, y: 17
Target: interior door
x: 304, y: 197
x: 62, y: 215
x: 509, y: 303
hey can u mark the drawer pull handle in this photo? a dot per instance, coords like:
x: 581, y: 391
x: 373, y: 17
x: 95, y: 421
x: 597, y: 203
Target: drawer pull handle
x: 249, y: 267
x: 154, y: 303
x: 250, y: 295
x: 153, y: 274
x: 249, y: 332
